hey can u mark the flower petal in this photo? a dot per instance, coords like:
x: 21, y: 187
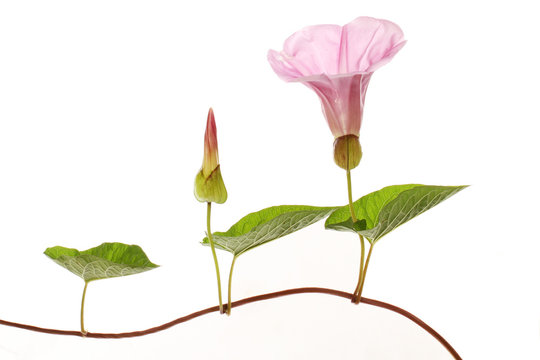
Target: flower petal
x: 280, y: 65
x: 342, y: 99
x: 367, y: 44
x: 310, y: 51
x: 361, y: 46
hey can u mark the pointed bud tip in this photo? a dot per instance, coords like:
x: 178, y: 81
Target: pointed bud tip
x: 211, y: 118
x: 211, y: 157
x: 211, y: 131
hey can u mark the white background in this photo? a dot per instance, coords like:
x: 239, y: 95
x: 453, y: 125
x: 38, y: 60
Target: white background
x: 102, y: 112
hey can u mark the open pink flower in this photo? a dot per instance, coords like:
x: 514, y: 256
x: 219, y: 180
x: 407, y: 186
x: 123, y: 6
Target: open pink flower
x: 337, y: 63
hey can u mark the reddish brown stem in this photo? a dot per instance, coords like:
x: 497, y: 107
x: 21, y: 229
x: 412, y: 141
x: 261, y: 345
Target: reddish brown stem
x: 245, y: 301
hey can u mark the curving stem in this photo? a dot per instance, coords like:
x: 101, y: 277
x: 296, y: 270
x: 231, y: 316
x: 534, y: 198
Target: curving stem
x: 241, y: 302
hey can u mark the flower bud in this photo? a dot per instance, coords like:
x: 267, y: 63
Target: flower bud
x: 347, y: 152
x: 209, y: 185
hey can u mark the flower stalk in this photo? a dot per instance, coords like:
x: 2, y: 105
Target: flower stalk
x: 209, y: 234
x: 357, y: 291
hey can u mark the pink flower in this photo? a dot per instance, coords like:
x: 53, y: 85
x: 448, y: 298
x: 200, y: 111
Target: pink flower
x: 337, y: 63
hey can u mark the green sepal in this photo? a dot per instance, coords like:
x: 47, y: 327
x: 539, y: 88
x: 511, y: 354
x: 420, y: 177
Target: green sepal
x: 211, y: 188
x: 382, y: 211
x: 104, y: 261
x: 347, y: 151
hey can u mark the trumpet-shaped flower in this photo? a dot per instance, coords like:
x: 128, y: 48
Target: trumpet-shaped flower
x: 337, y: 63
x: 209, y: 186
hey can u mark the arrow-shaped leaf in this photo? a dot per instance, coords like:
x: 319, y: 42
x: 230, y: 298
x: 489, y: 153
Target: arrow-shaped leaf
x: 384, y: 210
x: 104, y: 261
x: 266, y: 225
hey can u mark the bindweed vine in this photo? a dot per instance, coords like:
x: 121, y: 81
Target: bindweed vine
x: 337, y: 63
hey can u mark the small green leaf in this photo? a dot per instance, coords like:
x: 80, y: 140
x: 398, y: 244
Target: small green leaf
x: 104, y: 261
x: 384, y: 210
x: 266, y: 225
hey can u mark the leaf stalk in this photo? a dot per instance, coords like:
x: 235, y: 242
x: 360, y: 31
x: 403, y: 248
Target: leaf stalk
x: 363, y: 280
x: 83, y: 331
x: 230, y: 286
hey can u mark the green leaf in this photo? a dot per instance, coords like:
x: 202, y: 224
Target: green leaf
x: 384, y: 210
x: 266, y: 225
x: 104, y: 261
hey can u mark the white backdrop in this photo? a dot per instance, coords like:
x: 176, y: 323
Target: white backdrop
x: 102, y: 113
